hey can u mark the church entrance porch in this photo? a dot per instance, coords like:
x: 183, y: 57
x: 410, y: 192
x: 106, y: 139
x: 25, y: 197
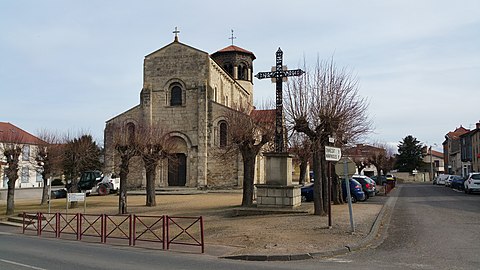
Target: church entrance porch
x: 177, y: 170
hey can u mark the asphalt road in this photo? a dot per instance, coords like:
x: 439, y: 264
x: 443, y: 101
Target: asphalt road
x: 432, y: 227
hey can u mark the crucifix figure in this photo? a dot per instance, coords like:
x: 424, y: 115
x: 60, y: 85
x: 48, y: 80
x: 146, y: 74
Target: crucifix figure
x: 279, y: 74
x: 176, y: 33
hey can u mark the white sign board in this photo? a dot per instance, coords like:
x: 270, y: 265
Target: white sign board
x: 332, y: 153
x: 75, y: 197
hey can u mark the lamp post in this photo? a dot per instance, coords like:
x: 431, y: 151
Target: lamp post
x: 431, y: 164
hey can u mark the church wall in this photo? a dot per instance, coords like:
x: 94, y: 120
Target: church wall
x: 187, y: 67
x: 112, y: 158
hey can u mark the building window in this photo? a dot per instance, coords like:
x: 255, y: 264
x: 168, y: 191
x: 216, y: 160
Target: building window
x: 39, y: 177
x: 131, y: 132
x: 26, y: 152
x: 25, y: 175
x: 176, y: 96
x: 223, y: 130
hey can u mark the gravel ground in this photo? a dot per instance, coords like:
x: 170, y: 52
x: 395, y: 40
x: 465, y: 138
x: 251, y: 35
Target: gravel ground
x: 262, y: 235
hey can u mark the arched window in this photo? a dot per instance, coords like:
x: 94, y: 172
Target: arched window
x: 130, y: 132
x: 229, y: 69
x: 176, y: 96
x: 223, y: 128
x: 242, y: 72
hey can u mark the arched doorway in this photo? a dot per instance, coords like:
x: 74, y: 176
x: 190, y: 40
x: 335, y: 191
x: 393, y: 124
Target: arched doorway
x: 177, y: 164
x: 177, y: 170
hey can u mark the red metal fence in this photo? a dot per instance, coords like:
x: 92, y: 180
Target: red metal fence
x: 165, y: 230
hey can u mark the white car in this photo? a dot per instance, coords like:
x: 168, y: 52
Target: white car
x: 472, y: 184
x: 448, y: 180
x: 441, y: 179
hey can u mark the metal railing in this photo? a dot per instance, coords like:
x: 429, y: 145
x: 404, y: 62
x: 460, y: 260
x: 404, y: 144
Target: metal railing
x: 165, y: 230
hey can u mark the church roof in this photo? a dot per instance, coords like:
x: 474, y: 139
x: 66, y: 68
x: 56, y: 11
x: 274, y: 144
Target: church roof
x: 263, y: 116
x: 233, y: 48
x: 12, y: 134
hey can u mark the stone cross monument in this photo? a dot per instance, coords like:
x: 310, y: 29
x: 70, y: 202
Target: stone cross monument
x: 279, y: 190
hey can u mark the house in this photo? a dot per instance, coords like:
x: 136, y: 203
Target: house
x: 435, y: 161
x: 28, y: 173
x: 470, y: 150
x: 452, y: 151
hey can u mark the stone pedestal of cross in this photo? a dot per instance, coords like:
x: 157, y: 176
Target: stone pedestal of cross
x: 278, y: 190
x: 279, y: 74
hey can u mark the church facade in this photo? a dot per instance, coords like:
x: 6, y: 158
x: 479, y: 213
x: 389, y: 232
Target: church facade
x: 187, y: 92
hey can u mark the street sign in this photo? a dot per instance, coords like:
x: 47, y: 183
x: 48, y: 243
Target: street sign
x: 351, y: 167
x: 75, y: 197
x: 332, y: 153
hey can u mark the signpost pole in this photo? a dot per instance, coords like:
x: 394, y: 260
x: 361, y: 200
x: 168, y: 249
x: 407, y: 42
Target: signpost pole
x: 349, y: 196
x: 329, y: 194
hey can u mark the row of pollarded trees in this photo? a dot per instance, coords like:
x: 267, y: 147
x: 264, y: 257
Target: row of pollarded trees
x: 151, y: 143
x: 52, y: 156
x: 325, y: 103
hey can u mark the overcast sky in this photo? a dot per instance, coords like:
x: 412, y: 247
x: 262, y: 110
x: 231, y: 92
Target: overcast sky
x: 68, y: 66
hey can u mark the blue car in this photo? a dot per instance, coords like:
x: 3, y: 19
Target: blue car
x: 307, y: 193
x: 355, y: 191
x: 457, y: 182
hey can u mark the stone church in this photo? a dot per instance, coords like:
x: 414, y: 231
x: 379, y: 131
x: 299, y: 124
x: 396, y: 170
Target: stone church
x: 187, y: 91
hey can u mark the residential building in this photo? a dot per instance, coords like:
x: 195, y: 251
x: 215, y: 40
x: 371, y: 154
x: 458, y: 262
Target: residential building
x: 452, y: 151
x: 28, y: 172
x: 470, y: 150
x: 435, y: 161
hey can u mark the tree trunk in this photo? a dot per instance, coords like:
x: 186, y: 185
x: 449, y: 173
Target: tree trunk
x: 122, y: 197
x: 45, y: 194
x: 10, y: 196
x: 303, y: 173
x: 324, y: 168
x: 317, y: 184
x: 336, y: 189
x: 151, y: 174
x: 248, y: 178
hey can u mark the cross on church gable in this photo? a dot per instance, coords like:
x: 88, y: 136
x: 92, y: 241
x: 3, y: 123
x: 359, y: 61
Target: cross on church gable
x: 176, y: 31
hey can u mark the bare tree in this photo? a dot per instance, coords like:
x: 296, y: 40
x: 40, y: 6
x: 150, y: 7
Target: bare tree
x: 383, y: 159
x: 11, y: 147
x: 325, y: 103
x: 154, y: 144
x: 248, y: 131
x: 49, y: 159
x: 301, y: 147
x: 125, y: 140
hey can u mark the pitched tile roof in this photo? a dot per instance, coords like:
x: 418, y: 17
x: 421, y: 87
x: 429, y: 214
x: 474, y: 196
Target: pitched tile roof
x: 12, y: 133
x: 264, y: 116
x: 457, y: 132
x: 233, y: 48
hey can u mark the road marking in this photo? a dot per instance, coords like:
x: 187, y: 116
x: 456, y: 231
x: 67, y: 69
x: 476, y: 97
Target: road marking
x: 21, y: 264
x: 338, y: 260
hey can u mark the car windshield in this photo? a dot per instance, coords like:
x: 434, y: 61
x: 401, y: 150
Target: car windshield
x: 476, y: 176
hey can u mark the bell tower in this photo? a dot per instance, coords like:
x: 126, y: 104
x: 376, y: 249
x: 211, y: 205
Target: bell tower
x: 238, y: 63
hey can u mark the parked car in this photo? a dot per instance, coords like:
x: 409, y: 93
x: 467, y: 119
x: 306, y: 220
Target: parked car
x: 457, y: 182
x: 58, y: 193
x: 449, y: 179
x: 472, y: 183
x: 307, y: 193
x: 368, y: 185
x: 379, y: 179
x: 441, y: 179
x: 356, y: 191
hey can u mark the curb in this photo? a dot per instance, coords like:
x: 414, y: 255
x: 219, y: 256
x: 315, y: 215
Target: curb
x: 383, y: 217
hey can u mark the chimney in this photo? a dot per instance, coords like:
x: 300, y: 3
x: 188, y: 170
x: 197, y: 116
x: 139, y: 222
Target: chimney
x: 478, y: 125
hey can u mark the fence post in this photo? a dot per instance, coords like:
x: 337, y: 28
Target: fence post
x: 57, y: 225
x: 79, y: 234
x: 168, y: 239
x: 39, y: 223
x: 130, y: 230
x: 201, y: 233
x: 163, y: 231
x: 104, y: 228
